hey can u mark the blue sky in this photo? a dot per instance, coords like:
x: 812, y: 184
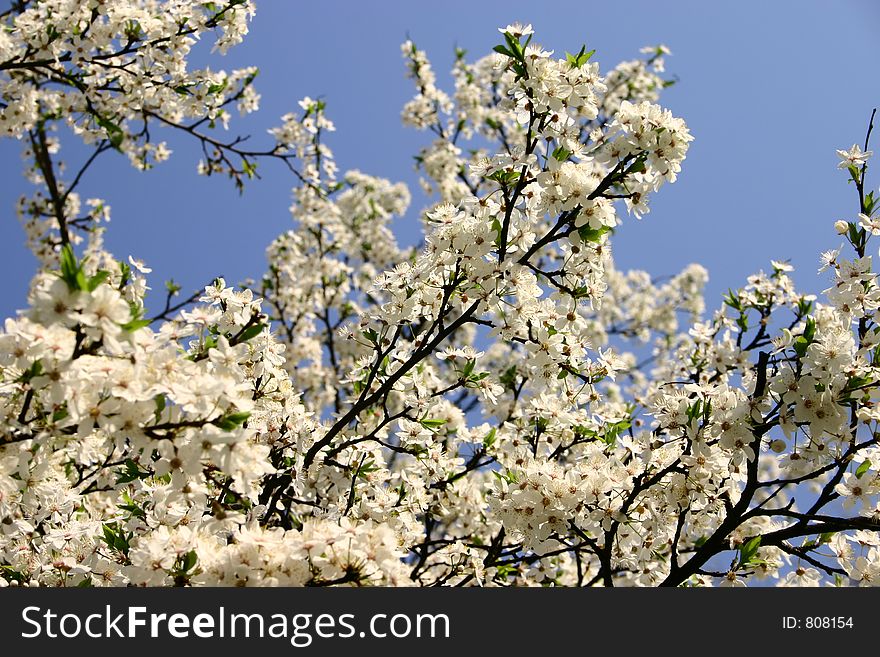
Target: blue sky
x: 769, y: 90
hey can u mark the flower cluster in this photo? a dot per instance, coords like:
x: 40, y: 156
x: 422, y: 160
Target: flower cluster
x: 502, y: 406
x: 105, y: 67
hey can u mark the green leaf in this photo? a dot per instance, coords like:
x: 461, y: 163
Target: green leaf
x: 749, y: 550
x: 576, y: 61
x: 134, y: 325
x: 612, y: 431
x: 514, y: 45
x: 71, y: 270
x: 561, y: 154
x: 581, y: 432
x: 508, y: 378
x: 859, y: 382
x: 160, y: 402
x: 215, y: 88
x: 870, y: 201
x: 250, y: 332
x: 125, y: 274
x: 251, y: 77
x: 371, y: 335
x: 504, y: 176
x: 854, y: 172
x: 115, y: 538
x: 732, y: 299
x: 131, y: 472
x: 693, y: 411
x: 636, y: 167
x: 249, y: 168
x: 366, y: 468
x: 804, y: 306
x: 114, y: 133
x: 588, y: 234
x: 231, y: 421
x: 504, y: 51
x: 36, y: 369
x: 432, y: 424
x: 506, y: 476
x: 133, y: 509
x: 189, y: 561
x: 93, y: 282
x: 810, y: 329
x: 863, y: 468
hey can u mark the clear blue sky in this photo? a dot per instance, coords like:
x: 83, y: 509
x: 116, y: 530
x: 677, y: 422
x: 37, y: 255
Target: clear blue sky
x: 769, y: 89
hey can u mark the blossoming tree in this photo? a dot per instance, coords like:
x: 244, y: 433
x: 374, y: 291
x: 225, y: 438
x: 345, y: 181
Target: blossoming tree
x: 500, y: 406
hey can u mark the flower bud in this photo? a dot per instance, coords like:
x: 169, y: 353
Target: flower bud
x: 841, y: 227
